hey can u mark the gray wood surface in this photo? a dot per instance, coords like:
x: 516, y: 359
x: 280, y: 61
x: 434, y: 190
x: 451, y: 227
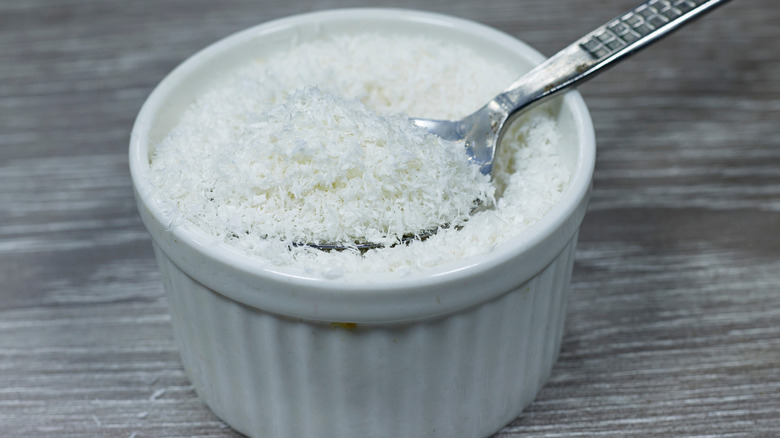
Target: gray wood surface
x: 674, y: 324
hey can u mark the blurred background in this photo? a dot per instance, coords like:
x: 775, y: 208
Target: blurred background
x: 674, y: 323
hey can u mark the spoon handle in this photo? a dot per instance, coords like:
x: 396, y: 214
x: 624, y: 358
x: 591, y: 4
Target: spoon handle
x: 601, y: 48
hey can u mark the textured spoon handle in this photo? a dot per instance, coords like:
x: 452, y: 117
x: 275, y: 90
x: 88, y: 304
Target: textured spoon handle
x: 604, y: 46
x: 641, y: 26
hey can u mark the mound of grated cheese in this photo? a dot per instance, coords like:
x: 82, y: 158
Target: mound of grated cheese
x: 313, y: 145
x: 316, y: 168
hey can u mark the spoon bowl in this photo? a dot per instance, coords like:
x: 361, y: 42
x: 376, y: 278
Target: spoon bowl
x: 480, y: 132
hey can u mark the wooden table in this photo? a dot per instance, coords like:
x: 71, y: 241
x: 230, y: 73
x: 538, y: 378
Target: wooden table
x: 674, y: 323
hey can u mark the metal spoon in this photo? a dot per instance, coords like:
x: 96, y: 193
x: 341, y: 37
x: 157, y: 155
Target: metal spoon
x: 585, y: 58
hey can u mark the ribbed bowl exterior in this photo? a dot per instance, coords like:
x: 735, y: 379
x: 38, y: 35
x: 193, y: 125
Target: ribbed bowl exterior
x: 466, y: 374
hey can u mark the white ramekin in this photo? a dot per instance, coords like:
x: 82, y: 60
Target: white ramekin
x: 457, y: 351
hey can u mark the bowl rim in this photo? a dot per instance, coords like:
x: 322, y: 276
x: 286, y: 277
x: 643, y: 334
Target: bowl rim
x: 436, y: 291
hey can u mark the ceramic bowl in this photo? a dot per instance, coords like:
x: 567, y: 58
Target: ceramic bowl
x: 456, y: 351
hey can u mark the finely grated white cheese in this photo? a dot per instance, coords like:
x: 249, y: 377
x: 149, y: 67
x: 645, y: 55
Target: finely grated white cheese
x: 309, y: 145
x: 316, y: 168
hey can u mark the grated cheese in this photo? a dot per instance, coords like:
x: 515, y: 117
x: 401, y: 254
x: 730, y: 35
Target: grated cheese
x: 313, y: 145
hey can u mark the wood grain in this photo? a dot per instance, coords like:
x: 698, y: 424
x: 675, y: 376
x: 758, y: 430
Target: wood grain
x: 674, y: 324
